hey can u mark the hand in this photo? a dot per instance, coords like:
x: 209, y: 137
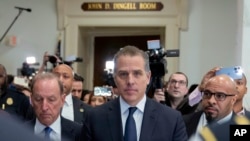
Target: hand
x: 207, y: 76
x: 159, y: 95
x: 45, y: 58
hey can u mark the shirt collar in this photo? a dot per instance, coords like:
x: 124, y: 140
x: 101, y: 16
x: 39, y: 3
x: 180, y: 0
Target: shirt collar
x: 225, y: 119
x: 68, y: 99
x: 55, y: 126
x: 241, y: 113
x: 140, y: 105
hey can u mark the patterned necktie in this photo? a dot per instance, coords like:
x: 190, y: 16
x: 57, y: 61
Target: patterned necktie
x: 130, y: 128
x: 47, y: 131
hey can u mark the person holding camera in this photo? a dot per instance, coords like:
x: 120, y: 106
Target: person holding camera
x: 176, y: 94
x: 133, y: 116
x: 77, y: 86
x: 49, y: 58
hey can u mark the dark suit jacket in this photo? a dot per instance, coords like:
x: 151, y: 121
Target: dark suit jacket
x: 191, y: 120
x: 160, y: 123
x: 79, y: 110
x: 70, y: 130
x: 221, y: 132
x: 16, y: 103
x: 247, y: 114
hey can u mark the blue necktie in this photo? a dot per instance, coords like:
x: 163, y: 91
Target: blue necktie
x: 130, y: 128
x: 47, y: 131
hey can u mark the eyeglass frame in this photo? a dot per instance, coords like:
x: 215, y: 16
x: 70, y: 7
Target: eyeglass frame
x: 215, y: 95
x: 181, y: 82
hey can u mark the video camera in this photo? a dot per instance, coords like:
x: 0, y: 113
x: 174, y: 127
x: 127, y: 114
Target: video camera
x: 68, y: 60
x: 157, y: 62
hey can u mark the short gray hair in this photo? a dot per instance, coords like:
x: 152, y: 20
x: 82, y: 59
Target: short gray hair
x: 46, y: 76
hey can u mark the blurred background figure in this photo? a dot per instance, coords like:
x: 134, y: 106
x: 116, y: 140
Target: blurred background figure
x: 11, y: 100
x: 85, y: 97
x: 96, y: 100
x: 77, y: 86
x: 192, y: 88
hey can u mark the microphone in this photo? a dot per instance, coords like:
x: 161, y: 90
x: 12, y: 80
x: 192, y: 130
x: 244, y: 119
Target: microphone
x: 26, y: 9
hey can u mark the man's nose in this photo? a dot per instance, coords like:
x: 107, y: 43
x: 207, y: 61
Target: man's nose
x: 130, y: 79
x: 44, y: 105
x: 212, y: 99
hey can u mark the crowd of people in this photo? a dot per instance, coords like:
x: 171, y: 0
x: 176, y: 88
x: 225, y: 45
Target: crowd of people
x: 57, y: 108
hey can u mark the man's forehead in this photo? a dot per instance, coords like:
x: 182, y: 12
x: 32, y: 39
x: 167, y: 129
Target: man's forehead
x: 178, y: 76
x: 62, y: 68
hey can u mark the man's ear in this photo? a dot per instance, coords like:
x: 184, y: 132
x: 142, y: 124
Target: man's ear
x: 63, y: 97
x: 31, y: 103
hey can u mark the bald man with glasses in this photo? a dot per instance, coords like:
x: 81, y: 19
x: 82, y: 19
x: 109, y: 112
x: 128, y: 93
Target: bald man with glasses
x: 219, y: 94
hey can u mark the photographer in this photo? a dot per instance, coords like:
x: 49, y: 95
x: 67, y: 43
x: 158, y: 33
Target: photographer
x: 49, y: 58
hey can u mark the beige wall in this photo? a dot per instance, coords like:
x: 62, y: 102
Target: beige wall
x: 172, y: 18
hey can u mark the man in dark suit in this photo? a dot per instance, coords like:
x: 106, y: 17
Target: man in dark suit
x: 47, y: 99
x: 219, y: 94
x: 73, y: 109
x: 149, y: 120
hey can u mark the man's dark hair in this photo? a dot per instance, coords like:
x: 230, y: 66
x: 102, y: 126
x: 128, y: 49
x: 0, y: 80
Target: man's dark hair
x: 78, y: 77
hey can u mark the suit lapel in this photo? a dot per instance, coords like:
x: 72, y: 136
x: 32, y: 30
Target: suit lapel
x: 149, y: 121
x: 114, y: 120
x: 66, y: 130
x: 192, y: 124
x: 76, y: 107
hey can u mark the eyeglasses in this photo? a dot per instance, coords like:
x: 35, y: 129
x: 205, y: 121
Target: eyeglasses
x: 173, y: 82
x: 218, y: 96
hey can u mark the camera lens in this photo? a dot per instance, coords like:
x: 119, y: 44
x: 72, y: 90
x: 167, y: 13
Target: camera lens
x: 52, y: 59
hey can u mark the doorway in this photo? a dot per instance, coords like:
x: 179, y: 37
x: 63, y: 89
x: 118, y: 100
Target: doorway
x: 106, y: 47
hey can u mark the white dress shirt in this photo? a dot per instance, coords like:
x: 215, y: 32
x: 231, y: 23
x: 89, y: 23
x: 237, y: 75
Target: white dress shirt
x: 68, y: 109
x: 55, y: 134
x: 138, y: 114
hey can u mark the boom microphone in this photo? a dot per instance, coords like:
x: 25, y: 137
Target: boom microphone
x: 26, y: 9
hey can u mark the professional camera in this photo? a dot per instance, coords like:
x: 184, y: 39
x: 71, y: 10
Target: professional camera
x: 72, y: 59
x: 27, y: 70
x: 108, y: 74
x: 157, y: 62
x: 52, y: 59
x: 68, y: 60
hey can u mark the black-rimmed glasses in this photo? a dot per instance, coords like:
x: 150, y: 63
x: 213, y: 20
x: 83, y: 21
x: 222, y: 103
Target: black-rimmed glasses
x: 219, y: 96
x: 181, y: 82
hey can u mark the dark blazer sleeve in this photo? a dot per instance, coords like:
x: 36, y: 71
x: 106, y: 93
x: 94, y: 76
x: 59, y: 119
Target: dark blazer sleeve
x: 191, y: 121
x: 79, y: 110
x: 70, y: 130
